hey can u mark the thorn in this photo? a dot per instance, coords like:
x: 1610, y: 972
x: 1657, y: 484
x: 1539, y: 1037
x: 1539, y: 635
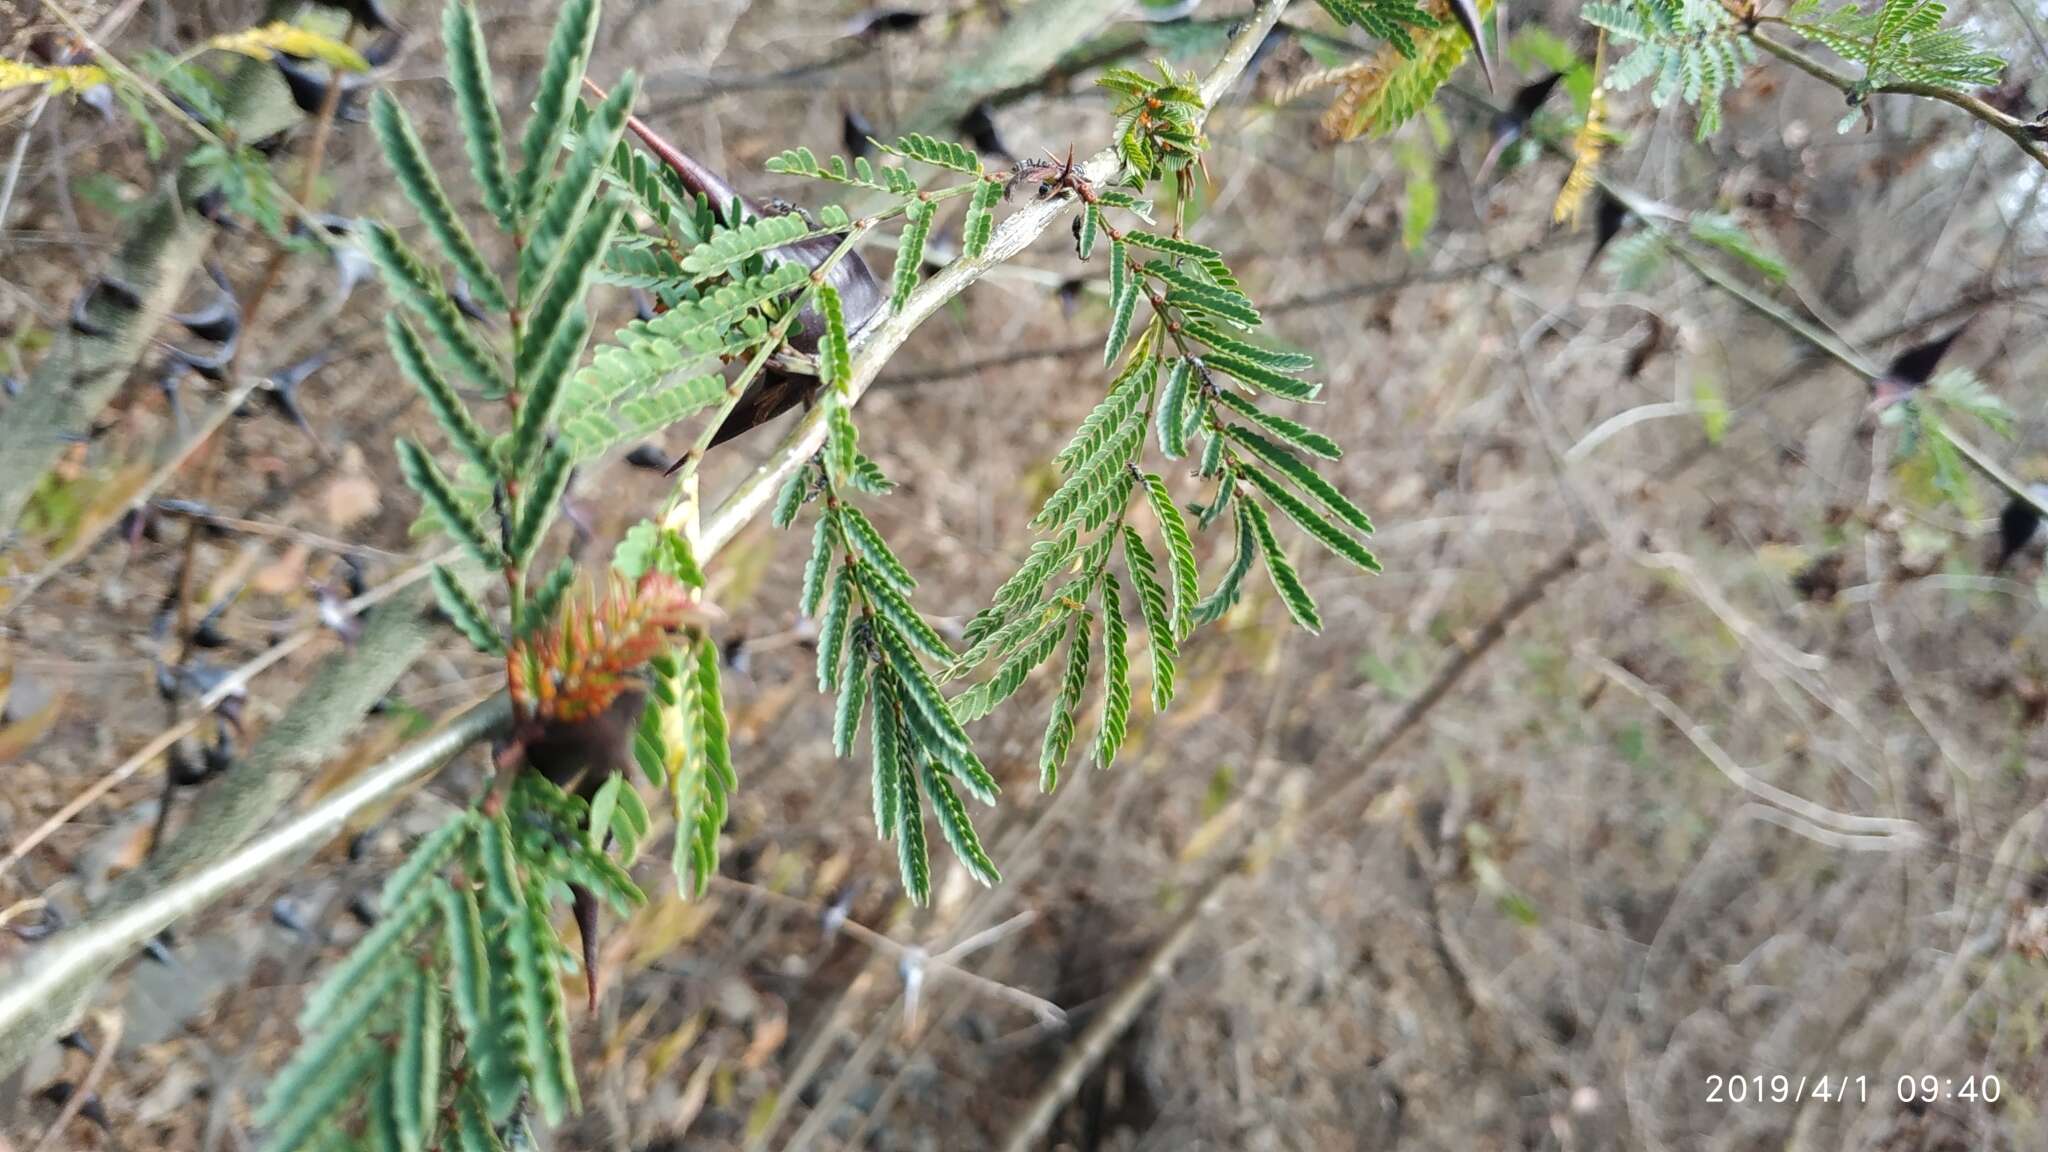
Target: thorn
x: 584, y: 905
x: 648, y: 457
x: 77, y: 1042
x: 59, y: 1094
x: 877, y: 21
x: 1467, y: 12
x: 856, y: 133
x: 979, y: 125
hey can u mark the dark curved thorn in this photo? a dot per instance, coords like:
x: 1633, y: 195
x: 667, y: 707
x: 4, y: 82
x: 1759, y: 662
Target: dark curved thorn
x: 1911, y: 369
x: 77, y: 1042
x: 309, y: 82
x: 91, y: 1108
x: 837, y: 911
x: 1916, y: 365
x: 118, y: 293
x: 1467, y: 13
x: 220, y: 755
x: 363, y: 910
x: 282, y: 389
x: 384, y: 49
x: 1610, y: 215
x: 737, y: 657
x: 11, y: 384
x: 648, y: 457
x: 221, y: 319
x: 213, y: 367
x: 584, y: 905
x: 207, y: 633
x: 882, y: 20
x: 181, y: 769
x: 41, y: 928
x: 979, y: 125
x: 856, y: 133
x: 286, y: 915
x: 467, y: 305
x: 2019, y: 525
x: 159, y: 949
x: 360, y: 844
x: 99, y: 98
x: 1510, y: 123
x: 353, y: 576
x: 643, y: 306
x: 212, y: 206
x: 1069, y: 294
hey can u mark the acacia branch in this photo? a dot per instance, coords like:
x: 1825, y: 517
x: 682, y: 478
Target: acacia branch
x: 2014, y: 128
x: 209, y: 859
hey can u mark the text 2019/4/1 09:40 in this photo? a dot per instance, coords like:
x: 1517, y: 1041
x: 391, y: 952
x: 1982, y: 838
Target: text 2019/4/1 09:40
x: 1783, y: 1089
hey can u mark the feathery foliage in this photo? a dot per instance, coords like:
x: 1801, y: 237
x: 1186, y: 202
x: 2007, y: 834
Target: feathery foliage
x: 1693, y: 51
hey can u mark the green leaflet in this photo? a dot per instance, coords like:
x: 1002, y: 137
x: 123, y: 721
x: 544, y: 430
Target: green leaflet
x: 538, y: 504
x: 1180, y: 553
x: 561, y: 74
x: 447, y: 406
x: 428, y: 857
x: 1294, y: 434
x: 888, y: 753
x: 1300, y: 604
x: 911, y: 853
x: 728, y: 248
x: 1158, y: 620
x: 917, y: 228
x: 545, y: 383
x: 1173, y: 405
x: 982, y: 699
x: 874, y: 550
x: 711, y: 715
x: 1123, y: 300
x: 552, y: 248
x: 306, y: 1108
x: 842, y: 442
x: 937, y: 153
x: 819, y: 566
x: 1307, y: 478
x: 803, y: 162
x: 1231, y: 587
x: 834, y: 358
x: 981, y: 220
x: 424, y: 477
x: 853, y: 695
x: 1059, y: 733
x: 415, y: 177
x: 1225, y: 305
x: 421, y: 291
x: 416, y: 1067
x: 1312, y: 521
x: 1260, y: 376
x: 791, y: 498
x: 469, y: 74
x: 1126, y: 396
x: 958, y: 828
x: 1116, y: 676
x: 832, y: 630
x: 1090, y: 226
x: 900, y: 617
x: 1221, y: 340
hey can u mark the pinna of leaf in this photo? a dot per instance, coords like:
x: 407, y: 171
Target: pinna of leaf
x: 775, y: 390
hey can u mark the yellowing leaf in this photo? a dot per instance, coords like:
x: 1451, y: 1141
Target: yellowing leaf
x: 76, y: 78
x: 291, y: 40
x: 1588, y: 145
